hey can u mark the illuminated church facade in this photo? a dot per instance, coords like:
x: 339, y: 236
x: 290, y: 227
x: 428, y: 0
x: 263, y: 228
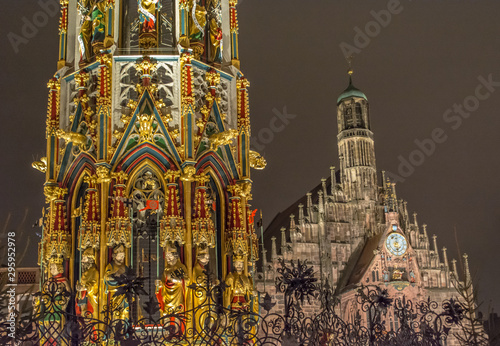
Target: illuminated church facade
x: 355, y: 231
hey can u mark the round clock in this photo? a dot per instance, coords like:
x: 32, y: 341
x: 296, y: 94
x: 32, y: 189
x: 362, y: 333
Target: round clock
x: 396, y: 244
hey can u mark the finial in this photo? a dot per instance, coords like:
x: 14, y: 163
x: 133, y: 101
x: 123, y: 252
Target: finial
x: 321, y: 205
x: 283, y: 241
x: 466, y: 265
x: 309, y: 204
x: 301, y: 213
x: 445, y: 258
x: 436, y: 250
x: 349, y: 62
x: 274, y: 254
x: 454, y: 266
x: 323, y: 185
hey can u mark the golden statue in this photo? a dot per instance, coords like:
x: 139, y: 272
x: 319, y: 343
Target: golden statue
x: 198, y: 21
x: 199, y: 294
x: 256, y: 160
x: 40, y: 165
x: 117, y: 304
x: 148, y: 16
x: 87, y: 296
x: 93, y: 27
x: 215, y: 31
x: 171, y: 290
x: 54, y: 300
x: 239, y: 291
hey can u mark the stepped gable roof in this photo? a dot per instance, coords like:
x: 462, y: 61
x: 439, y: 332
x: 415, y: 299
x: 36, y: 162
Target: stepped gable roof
x: 282, y: 219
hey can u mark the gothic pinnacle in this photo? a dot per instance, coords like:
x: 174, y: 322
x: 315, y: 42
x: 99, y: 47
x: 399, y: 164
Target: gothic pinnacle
x: 274, y: 253
x: 445, y: 259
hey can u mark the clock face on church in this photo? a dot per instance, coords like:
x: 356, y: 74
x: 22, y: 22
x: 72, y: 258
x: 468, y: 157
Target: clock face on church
x: 396, y: 244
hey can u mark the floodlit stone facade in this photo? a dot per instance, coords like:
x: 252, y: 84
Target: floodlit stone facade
x: 355, y: 231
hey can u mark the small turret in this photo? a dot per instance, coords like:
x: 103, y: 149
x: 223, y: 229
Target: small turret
x: 454, y: 266
x: 323, y: 185
x: 466, y: 268
x: 274, y: 253
x: 309, y: 206
x: 283, y: 241
x: 445, y: 259
x: 301, y: 214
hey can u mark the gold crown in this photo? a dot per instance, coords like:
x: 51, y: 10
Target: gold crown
x: 238, y: 258
x: 88, y: 253
x: 56, y: 260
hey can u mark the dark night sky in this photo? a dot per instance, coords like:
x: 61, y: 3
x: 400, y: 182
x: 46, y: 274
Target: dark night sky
x: 426, y: 60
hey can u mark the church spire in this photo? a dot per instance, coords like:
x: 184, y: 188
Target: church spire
x: 355, y: 143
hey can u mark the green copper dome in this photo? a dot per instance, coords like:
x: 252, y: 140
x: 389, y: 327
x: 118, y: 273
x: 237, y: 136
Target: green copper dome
x: 350, y: 92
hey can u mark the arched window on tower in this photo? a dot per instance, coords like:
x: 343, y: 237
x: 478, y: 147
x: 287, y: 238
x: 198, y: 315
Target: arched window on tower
x: 348, y: 120
x: 360, y: 121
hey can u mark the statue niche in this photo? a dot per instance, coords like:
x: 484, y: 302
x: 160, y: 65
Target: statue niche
x: 148, y: 23
x: 87, y: 296
x: 52, y: 303
x: 199, y: 290
x: 171, y: 289
x: 239, y: 291
x: 117, y: 303
x: 93, y: 28
x: 215, y: 30
x: 197, y: 27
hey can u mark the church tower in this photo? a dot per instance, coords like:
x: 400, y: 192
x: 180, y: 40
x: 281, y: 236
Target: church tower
x: 358, y: 171
x: 148, y: 160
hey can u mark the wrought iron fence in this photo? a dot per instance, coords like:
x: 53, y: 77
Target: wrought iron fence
x: 212, y: 323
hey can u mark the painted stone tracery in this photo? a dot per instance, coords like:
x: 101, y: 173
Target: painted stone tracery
x: 142, y: 144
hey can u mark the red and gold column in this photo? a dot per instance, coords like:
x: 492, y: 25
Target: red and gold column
x: 187, y: 109
x: 243, y: 127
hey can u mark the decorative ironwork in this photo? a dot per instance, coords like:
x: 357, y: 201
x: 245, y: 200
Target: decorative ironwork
x: 211, y: 323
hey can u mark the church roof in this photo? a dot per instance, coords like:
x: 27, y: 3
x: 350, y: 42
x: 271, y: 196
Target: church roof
x: 350, y: 92
x: 354, y: 274
x: 282, y: 219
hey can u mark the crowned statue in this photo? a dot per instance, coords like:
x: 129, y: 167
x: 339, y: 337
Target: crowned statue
x: 87, y: 295
x: 200, y: 289
x: 93, y: 28
x: 117, y: 303
x: 52, y: 302
x: 171, y: 289
x: 239, y: 291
